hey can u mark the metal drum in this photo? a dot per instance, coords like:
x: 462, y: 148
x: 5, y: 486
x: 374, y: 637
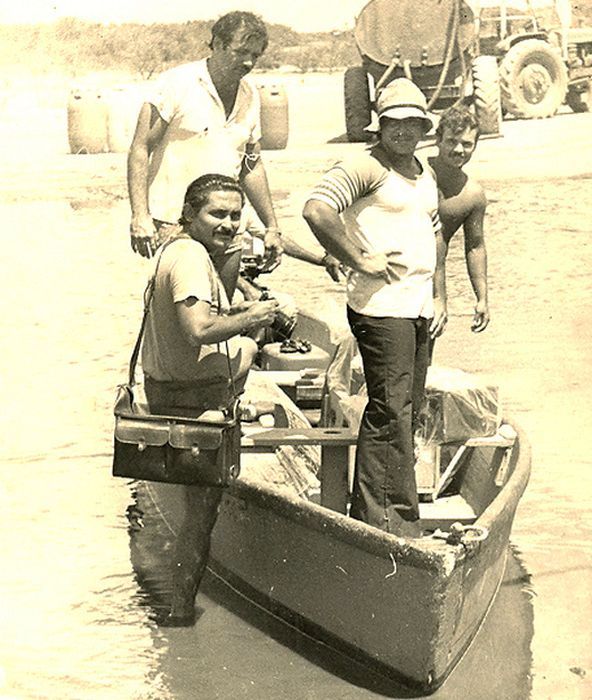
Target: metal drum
x: 87, y: 122
x: 275, y: 126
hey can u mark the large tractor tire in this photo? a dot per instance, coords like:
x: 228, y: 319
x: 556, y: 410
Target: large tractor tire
x: 358, y: 109
x: 533, y: 80
x: 486, y: 94
x: 580, y: 99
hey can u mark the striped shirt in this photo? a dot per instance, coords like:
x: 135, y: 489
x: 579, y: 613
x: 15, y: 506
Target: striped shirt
x: 385, y: 212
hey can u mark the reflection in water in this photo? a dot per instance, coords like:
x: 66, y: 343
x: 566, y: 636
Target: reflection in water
x: 237, y: 649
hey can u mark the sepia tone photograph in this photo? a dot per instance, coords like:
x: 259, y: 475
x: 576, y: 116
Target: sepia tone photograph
x: 296, y: 350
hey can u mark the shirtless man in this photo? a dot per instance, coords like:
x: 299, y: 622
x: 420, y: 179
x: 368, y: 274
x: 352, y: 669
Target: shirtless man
x: 462, y: 203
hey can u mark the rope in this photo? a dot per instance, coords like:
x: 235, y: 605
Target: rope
x: 452, y: 35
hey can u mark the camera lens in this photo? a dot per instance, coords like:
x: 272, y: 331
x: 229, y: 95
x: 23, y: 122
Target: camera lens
x: 283, y: 326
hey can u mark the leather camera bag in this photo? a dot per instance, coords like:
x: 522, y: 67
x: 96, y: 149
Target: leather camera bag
x: 204, y: 450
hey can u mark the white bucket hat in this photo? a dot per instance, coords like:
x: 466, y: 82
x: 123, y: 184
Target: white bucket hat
x: 402, y: 99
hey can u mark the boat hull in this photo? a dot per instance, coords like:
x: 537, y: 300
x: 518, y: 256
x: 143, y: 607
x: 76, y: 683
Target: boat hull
x: 408, y: 607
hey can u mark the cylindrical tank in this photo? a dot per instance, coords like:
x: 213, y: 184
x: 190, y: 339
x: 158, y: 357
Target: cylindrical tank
x: 87, y: 122
x: 275, y: 125
x: 418, y: 36
x: 123, y: 106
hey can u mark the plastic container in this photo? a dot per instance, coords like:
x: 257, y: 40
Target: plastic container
x: 272, y: 358
x: 123, y: 106
x: 87, y: 122
x: 275, y: 123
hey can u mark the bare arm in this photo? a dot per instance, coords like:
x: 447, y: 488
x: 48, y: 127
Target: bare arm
x: 329, y: 230
x: 326, y: 260
x: 249, y: 291
x: 150, y: 129
x: 200, y: 326
x: 476, y: 259
x: 254, y: 181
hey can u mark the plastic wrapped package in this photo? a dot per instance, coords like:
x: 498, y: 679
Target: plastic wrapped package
x: 459, y: 406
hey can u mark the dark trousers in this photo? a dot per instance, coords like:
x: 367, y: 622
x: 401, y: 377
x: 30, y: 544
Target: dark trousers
x: 395, y: 355
x: 192, y: 545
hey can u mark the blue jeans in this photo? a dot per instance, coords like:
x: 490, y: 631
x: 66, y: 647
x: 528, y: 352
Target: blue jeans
x: 395, y: 355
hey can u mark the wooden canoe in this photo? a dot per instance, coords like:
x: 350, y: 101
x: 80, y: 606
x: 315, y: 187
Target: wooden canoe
x: 407, y: 607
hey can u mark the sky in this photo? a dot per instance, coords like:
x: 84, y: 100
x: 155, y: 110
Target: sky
x: 301, y: 15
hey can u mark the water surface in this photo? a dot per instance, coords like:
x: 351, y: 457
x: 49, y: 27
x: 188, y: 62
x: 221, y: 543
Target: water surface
x: 74, y: 619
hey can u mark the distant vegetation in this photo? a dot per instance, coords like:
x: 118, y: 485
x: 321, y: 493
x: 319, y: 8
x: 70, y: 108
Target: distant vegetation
x: 76, y: 47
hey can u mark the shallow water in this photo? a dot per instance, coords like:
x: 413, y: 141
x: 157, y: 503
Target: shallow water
x: 74, y: 621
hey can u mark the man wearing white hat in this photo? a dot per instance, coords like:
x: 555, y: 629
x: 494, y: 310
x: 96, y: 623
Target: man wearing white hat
x: 377, y: 212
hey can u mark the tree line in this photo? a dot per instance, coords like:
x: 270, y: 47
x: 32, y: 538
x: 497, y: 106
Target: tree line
x: 76, y: 46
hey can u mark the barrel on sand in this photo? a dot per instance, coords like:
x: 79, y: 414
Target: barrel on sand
x: 103, y: 120
x: 87, y: 122
x: 275, y: 124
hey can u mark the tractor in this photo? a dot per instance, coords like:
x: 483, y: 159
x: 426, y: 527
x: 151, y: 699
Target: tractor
x: 579, y: 68
x: 435, y: 44
x: 539, y: 68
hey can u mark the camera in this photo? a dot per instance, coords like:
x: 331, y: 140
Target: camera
x: 283, y: 325
x: 251, y: 267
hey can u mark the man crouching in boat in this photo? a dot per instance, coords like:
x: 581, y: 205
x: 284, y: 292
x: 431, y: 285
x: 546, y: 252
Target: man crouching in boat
x: 377, y: 213
x: 193, y: 356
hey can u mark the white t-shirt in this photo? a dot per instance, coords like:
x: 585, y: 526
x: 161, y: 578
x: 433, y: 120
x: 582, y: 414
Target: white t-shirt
x: 185, y: 270
x: 199, y: 138
x: 385, y: 212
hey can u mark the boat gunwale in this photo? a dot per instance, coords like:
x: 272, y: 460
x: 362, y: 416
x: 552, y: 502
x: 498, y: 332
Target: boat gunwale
x: 424, y: 552
x: 512, y: 490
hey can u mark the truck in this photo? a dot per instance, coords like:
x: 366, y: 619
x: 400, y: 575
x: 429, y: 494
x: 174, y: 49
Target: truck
x: 497, y: 55
x: 435, y: 43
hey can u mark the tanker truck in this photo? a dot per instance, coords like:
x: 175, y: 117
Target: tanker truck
x: 435, y: 44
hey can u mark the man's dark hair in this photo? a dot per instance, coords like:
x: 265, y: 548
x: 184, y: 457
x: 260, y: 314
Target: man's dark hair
x: 457, y: 118
x: 199, y: 190
x: 226, y: 27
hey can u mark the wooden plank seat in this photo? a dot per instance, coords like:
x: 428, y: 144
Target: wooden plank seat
x: 334, y: 444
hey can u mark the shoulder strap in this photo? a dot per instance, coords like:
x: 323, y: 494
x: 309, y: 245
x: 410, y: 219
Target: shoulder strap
x: 148, y: 294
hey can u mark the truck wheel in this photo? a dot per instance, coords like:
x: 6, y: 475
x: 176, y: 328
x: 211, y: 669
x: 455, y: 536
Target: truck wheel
x: 486, y: 93
x: 580, y: 100
x: 533, y: 80
x: 358, y: 111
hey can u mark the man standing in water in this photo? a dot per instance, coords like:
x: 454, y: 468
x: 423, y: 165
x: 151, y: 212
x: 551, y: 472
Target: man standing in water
x: 377, y: 213
x: 204, y: 117
x: 462, y: 203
